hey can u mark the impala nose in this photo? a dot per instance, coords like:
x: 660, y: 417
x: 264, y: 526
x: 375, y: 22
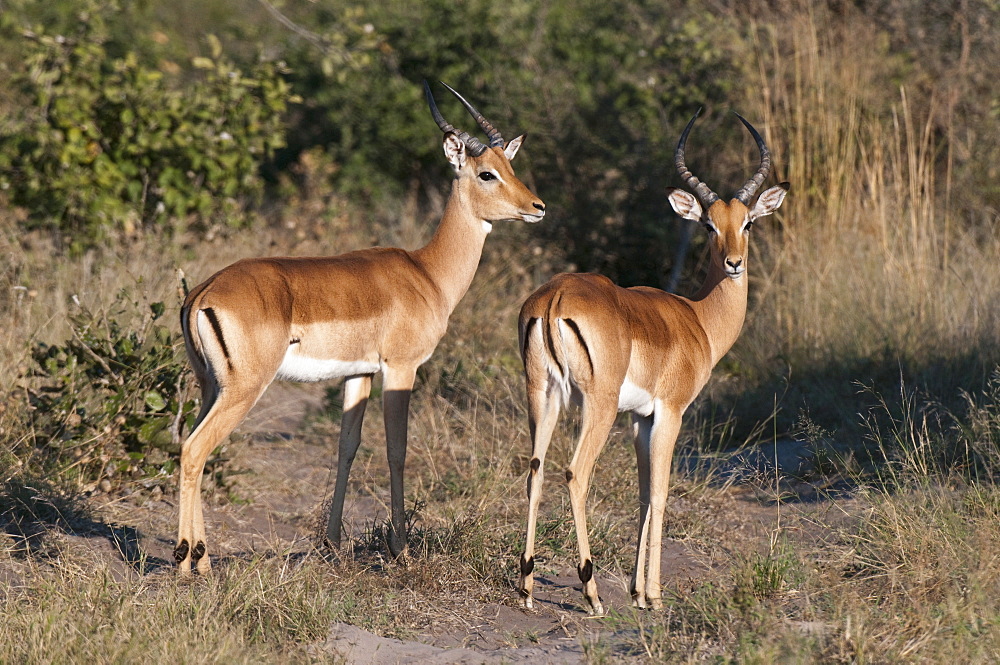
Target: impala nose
x: 734, y: 263
x: 539, y: 206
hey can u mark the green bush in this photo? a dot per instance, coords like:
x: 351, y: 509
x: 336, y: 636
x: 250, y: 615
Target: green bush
x: 109, y: 401
x: 109, y: 144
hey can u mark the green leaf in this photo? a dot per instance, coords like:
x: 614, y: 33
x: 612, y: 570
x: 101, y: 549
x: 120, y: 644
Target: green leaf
x: 155, y: 401
x: 149, y: 430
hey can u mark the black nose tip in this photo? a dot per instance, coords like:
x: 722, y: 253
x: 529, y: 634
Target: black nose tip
x: 540, y: 206
x: 734, y: 264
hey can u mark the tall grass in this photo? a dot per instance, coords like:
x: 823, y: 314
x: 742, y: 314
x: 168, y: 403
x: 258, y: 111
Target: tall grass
x: 868, y: 273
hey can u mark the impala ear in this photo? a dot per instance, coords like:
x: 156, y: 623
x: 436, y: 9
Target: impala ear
x: 684, y: 204
x: 512, y: 147
x: 454, y: 150
x: 769, y: 201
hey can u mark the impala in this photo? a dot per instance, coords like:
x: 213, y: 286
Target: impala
x: 309, y: 319
x: 612, y: 349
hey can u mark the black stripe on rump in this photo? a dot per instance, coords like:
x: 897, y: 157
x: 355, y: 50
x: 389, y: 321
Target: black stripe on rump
x: 217, y: 329
x: 576, y: 330
x: 527, y: 335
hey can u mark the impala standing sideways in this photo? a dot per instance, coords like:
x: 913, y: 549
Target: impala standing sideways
x: 309, y: 319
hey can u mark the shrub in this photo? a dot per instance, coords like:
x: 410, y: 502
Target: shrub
x: 110, y: 400
x: 106, y: 143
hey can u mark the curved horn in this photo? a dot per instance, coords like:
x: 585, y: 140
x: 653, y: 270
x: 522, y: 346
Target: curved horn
x: 474, y: 145
x: 751, y: 185
x: 496, y: 140
x: 707, y: 196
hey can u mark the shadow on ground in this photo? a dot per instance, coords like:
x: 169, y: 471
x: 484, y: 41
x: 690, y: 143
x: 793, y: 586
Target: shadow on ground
x: 32, y: 509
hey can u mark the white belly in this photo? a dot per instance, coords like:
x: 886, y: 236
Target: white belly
x: 633, y: 398
x: 297, y: 367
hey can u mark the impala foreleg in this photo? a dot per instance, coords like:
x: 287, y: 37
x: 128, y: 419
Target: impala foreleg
x: 663, y: 436
x: 543, y: 414
x: 357, y: 389
x: 594, y: 432
x: 643, y: 427
x: 397, y: 386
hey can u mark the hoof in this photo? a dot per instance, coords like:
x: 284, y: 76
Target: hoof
x: 400, y: 553
x: 331, y: 553
x: 181, y: 551
x: 595, y: 608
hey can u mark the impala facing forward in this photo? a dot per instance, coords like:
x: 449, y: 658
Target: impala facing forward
x: 642, y: 350
x: 308, y: 319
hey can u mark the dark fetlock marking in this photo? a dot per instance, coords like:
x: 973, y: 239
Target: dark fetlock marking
x: 527, y: 565
x: 535, y: 463
x: 586, y: 571
x: 569, y: 476
x: 181, y: 551
x: 198, y: 552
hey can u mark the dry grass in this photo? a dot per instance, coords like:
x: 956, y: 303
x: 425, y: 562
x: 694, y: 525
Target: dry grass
x: 869, y: 274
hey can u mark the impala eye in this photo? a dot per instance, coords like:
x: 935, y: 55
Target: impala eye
x: 709, y: 228
x: 747, y: 226
x: 486, y: 176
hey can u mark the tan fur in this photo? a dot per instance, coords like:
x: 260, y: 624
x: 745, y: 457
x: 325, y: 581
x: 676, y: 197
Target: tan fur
x: 378, y: 308
x: 639, y: 342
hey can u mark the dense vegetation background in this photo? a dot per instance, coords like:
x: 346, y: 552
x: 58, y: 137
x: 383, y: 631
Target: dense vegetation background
x: 128, y: 120
x: 141, y: 137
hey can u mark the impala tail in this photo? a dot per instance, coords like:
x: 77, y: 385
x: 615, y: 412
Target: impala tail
x: 558, y: 345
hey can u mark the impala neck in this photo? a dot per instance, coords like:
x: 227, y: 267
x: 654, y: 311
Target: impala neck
x: 452, y: 255
x: 721, y: 306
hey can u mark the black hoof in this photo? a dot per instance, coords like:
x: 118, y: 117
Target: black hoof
x: 181, y: 551
x: 400, y: 554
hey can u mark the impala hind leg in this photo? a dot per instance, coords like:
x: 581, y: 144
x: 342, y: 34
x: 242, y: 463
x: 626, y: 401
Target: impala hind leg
x: 543, y: 414
x: 397, y: 386
x: 357, y: 389
x: 219, y: 419
x: 594, y: 432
